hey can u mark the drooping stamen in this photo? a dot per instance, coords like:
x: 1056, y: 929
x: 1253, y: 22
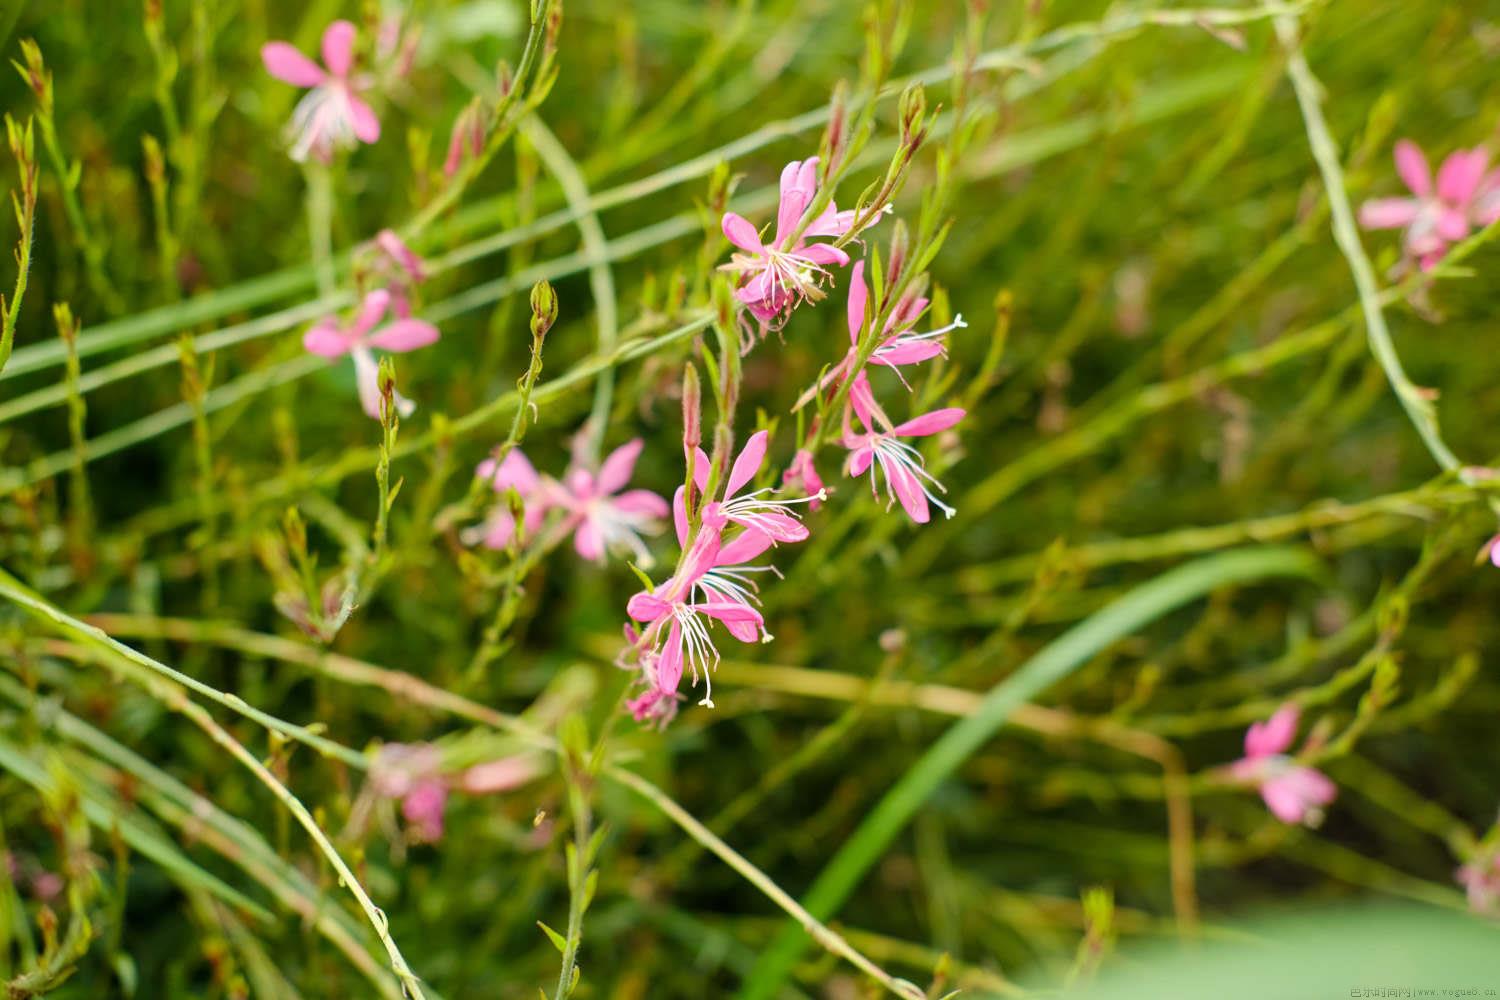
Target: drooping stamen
x: 892, y: 452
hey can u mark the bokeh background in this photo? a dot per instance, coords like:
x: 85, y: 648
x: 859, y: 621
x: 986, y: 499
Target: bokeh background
x: 1141, y: 242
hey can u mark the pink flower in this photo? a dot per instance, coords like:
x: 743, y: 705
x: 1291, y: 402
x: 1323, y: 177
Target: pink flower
x: 906, y: 475
x: 603, y: 518
x: 332, y: 339
x: 1481, y: 881
x: 755, y: 509
x: 332, y: 115
x: 776, y: 276
x: 412, y: 773
x: 803, y: 475
x: 1441, y: 214
x: 677, y: 620
x: 899, y: 347
x: 1293, y: 793
x: 600, y: 517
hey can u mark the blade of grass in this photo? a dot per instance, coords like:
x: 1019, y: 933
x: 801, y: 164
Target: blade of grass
x: 1052, y: 663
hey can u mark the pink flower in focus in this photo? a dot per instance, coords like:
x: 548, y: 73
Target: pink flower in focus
x: 1440, y: 214
x: 899, y: 347
x: 803, y: 475
x: 906, y: 475
x: 1293, y: 793
x: 333, y: 114
x: 600, y: 517
x: 677, y: 626
x: 776, y: 276
x: 753, y: 510
x: 332, y: 339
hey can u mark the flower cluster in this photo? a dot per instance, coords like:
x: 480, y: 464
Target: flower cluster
x: 713, y: 585
x: 714, y: 580
x: 1438, y: 213
x: 1293, y: 792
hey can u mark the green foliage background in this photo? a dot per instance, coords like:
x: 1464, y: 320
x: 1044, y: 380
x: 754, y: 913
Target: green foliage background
x: 1185, y: 373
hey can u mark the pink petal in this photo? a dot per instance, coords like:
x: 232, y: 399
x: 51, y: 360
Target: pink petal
x: 338, y: 48
x: 1412, y: 166
x: 859, y: 460
x: 362, y: 117
x: 1452, y: 224
x: 499, y: 775
x: 326, y: 339
x: 641, y: 502
x: 832, y: 222
x: 498, y: 530
x: 1494, y: 546
x: 679, y: 515
x: 755, y: 290
x: 1274, y: 735
x: 909, y: 491
x: 371, y: 310
x: 749, y: 545
x: 782, y: 527
x: 750, y: 459
x: 824, y: 254
x: 644, y: 607
x: 729, y: 611
x: 859, y: 294
x: 795, y: 196
x: 1459, y: 176
x: 616, y: 470
x: 516, y: 471
x: 1291, y: 796
x: 930, y: 423
x: 862, y: 398
x: 703, y: 555
x: 285, y: 63
x: 405, y: 335
x: 1388, y: 213
x: 739, y: 231
x: 1283, y: 801
x: 589, y: 540
x: 701, y: 466
x: 669, y: 667
x: 396, y: 249
x: 910, y: 353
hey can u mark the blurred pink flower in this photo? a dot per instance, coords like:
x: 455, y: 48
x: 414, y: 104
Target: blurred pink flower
x: 500, y: 775
x: 906, y: 475
x: 1439, y: 214
x: 333, y: 339
x: 803, y: 475
x: 600, y: 517
x: 515, y: 472
x: 776, y: 276
x: 332, y: 115
x: 466, y: 141
x: 1293, y: 793
x: 412, y: 773
x: 398, y: 270
x: 1481, y: 881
